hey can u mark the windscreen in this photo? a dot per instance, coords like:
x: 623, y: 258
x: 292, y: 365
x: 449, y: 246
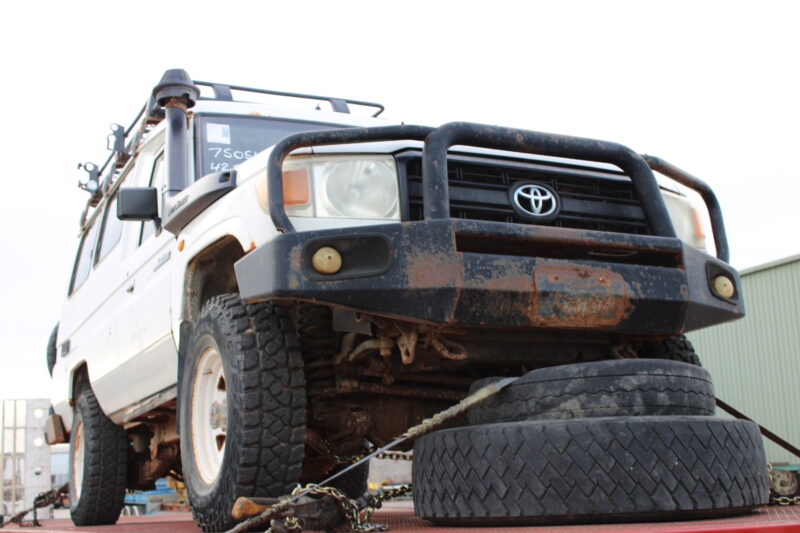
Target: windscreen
x: 224, y: 141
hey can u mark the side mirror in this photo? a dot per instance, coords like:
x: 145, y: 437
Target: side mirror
x: 137, y: 203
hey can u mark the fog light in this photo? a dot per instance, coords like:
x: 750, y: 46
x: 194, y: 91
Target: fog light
x: 723, y: 286
x: 326, y: 260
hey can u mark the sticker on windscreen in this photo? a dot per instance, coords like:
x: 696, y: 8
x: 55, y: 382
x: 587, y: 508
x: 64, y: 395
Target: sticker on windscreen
x: 218, y: 133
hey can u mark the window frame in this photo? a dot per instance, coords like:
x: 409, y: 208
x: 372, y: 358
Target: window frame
x: 158, y: 160
x: 99, y: 246
x: 89, y: 231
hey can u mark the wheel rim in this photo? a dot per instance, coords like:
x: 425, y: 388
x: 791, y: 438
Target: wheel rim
x: 209, y: 415
x: 78, y: 452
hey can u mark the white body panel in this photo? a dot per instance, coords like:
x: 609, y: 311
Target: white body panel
x: 124, y: 322
x: 148, y: 353
x: 91, y: 333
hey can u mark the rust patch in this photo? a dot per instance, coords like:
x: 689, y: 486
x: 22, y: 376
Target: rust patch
x: 571, y: 296
x: 506, y: 283
x: 433, y: 270
x: 506, y: 275
x: 180, y: 103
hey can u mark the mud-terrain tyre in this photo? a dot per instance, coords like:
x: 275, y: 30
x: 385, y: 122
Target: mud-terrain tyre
x: 52, y: 350
x: 593, y: 469
x: 242, y: 411
x: 677, y: 348
x: 620, y: 387
x: 98, y: 460
x: 315, y: 331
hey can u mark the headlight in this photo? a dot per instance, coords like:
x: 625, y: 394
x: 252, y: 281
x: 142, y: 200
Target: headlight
x: 685, y: 219
x: 357, y: 186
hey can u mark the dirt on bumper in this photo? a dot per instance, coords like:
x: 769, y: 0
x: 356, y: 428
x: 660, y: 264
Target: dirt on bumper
x: 498, y: 275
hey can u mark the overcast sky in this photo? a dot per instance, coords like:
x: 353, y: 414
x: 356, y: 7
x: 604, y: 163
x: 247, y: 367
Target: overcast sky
x: 711, y: 86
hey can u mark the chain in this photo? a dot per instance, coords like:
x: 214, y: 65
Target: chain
x: 375, y: 502
x: 349, y: 507
x: 42, y: 500
x: 350, y: 459
x: 395, y: 456
x: 774, y: 499
x: 784, y: 500
x: 290, y: 523
x: 359, y: 518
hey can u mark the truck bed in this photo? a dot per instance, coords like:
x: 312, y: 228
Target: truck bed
x: 400, y: 518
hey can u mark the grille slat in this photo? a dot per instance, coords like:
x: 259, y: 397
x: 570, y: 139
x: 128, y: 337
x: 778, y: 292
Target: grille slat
x: 479, y: 191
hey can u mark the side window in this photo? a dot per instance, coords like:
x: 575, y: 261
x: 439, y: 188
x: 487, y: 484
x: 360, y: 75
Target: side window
x: 157, y: 181
x: 112, y: 230
x: 83, y: 262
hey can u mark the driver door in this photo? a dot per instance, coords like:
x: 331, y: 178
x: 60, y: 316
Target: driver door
x: 146, y: 346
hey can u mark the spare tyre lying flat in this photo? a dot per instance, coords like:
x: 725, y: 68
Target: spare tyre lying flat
x: 620, y: 387
x: 595, y: 469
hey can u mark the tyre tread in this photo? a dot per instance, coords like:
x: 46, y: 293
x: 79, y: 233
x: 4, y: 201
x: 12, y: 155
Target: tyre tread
x: 270, y: 429
x: 601, y: 388
x: 105, y: 460
x: 52, y: 349
x: 677, y: 348
x: 620, y: 469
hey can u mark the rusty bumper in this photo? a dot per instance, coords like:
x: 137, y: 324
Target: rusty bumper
x: 487, y: 274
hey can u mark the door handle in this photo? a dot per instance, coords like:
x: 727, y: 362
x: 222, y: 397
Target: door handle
x: 130, y: 286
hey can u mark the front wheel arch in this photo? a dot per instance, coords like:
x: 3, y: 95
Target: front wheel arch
x: 79, y: 377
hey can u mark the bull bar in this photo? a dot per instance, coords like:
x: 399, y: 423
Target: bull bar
x: 490, y: 274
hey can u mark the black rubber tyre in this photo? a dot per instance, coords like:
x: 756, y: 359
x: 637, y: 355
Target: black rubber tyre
x: 101, y: 481
x: 315, y: 331
x: 52, y: 350
x: 677, y: 348
x: 620, y: 387
x: 596, y: 469
x: 265, y: 402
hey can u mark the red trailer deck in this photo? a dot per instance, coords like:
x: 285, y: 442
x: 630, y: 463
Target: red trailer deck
x: 400, y: 518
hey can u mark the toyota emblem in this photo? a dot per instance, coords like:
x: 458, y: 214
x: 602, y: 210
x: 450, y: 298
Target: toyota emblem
x: 535, y: 201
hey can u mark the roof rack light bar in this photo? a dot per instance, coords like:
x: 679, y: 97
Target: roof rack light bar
x: 339, y: 105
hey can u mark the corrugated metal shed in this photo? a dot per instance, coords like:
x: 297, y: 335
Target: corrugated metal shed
x: 755, y: 361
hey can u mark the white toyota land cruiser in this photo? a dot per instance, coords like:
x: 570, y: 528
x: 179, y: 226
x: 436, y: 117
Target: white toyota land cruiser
x: 259, y: 290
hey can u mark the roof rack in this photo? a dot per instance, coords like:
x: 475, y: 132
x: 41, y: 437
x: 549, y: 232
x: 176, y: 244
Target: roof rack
x: 123, y: 145
x: 339, y: 105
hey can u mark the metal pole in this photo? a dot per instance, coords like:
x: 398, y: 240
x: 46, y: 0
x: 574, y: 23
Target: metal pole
x: 14, y: 462
x: 3, y: 460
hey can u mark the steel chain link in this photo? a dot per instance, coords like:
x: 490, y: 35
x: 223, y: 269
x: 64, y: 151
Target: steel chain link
x: 350, y: 459
x: 290, y: 523
x: 774, y: 499
x: 358, y: 517
x: 784, y: 500
x: 395, y: 456
x: 42, y: 500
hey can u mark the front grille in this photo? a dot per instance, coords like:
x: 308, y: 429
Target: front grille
x: 591, y: 199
